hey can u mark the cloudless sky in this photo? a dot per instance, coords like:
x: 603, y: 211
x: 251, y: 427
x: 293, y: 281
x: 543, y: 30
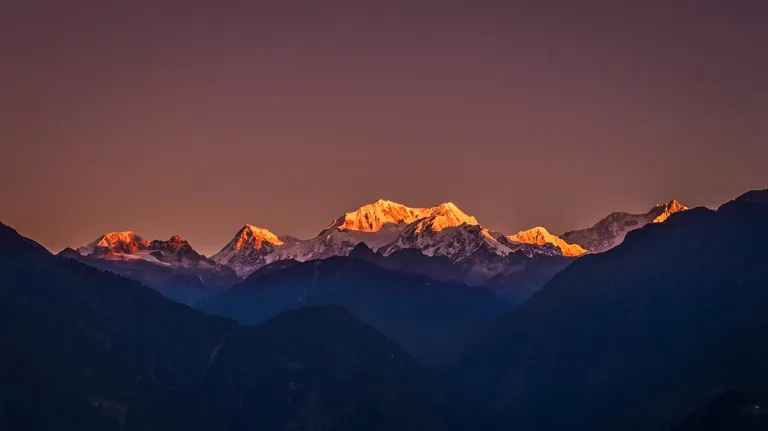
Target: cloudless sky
x: 197, y: 117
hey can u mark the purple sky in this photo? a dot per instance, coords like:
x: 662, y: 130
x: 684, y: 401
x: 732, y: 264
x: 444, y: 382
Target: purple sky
x: 196, y: 119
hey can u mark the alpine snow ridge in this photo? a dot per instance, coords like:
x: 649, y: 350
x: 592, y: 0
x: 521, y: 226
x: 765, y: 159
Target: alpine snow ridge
x: 127, y: 245
x: 376, y: 225
x: 540, y: 236
x: 382, y: 214
x: 610, y: 231
x: 171, y: 267
x: 385, y: 227
x: 447, y: 231
x: 388, y: 229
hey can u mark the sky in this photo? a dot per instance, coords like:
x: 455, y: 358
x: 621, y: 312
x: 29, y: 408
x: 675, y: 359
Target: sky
x: 197, y: 117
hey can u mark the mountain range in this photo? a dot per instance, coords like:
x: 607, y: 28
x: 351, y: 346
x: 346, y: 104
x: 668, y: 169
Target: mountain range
x: 403, y: 238
x: 385, y: 262
x: 660, y: 326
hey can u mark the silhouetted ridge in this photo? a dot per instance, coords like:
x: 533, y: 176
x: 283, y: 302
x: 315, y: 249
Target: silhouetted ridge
x: 85, y: 349
x: 637, y: 337
x: 695, y: 217
x: 611, y: 230
x: 753, y: 202
x: 69, y: 251
x: 13, y: 245
x: 754, y: 196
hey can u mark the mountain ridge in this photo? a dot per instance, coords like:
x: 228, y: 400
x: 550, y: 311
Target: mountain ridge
x: 387, y: 226
x: 539, y: 235
x: 611, y: 230
x: 475, y: 254
x: 674, y: 312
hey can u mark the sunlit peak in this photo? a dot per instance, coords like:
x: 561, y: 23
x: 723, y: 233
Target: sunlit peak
x: 666, y: 210
x: 253, y: 237
x: 539, y: 235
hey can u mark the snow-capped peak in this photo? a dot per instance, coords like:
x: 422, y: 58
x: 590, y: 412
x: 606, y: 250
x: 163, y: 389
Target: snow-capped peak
x: 443, y: 216
x: 447, y: 231
x: 254, y: 237
x: 118, y: 237
x: 378, y: 215
x: 127, y: 245
x: 248, y: 249
x: 540, y: 236
x: 116, y: 242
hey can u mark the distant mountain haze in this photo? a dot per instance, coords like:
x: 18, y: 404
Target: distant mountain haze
x: 417, y: 312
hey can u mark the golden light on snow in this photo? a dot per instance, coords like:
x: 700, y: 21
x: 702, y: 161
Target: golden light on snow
x: 540, y: 236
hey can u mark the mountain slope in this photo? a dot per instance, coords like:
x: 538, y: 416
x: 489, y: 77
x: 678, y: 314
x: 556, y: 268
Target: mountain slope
x: 321, y: 368
x: 610, y: 231
x: 85, y: 349
x: 540, y: 236
x: 518, y: 275
x: 523, y: 275
x: 413, y: 310
x: 74, y: 339
x: 639, y: 336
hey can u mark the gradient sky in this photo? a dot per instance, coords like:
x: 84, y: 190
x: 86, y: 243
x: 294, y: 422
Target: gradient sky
x: 196, y: 117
